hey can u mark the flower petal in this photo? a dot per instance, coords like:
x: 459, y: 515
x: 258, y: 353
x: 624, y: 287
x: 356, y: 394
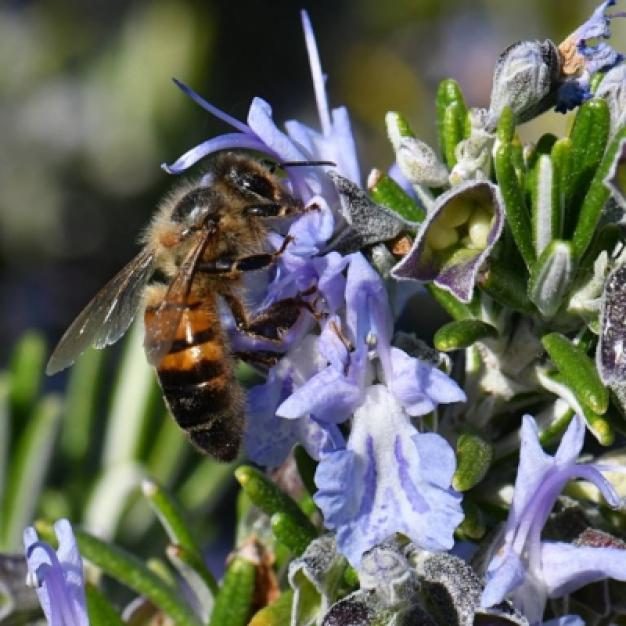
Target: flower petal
x: 229, y: 141
x: 447, y: 252
x: 387, y: 470
x: 567, y: 567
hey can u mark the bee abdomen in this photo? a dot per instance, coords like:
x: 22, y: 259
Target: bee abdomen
x: 199, y: 386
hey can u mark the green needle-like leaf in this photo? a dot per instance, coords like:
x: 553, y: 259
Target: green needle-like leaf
x: 452, y: 131
x: 505, y: 131
x: 386, y: 191
x: 291, y: 534
x: 130, y: 571
x: 517, y: 214
x: 545, y: 204
x: 234, y: 601
x: 595, y: 199
x: 26, y: 371
x: 448, y: 93
x: 473, y: 527
x: 454, y: 308
x: 508, y: 288
x: 100, y: 611
x: 269, y: 498
x: 81, y: 405
x: 474, y: 456
x: 551, y: 277
x: 29, y: 464
x: 173, y: 521
x: 462, y: 334
x: 578, y: 371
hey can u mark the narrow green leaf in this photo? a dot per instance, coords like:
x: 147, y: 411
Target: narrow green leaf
x: 595, y: 199
x: 474, y: 456
x: 454, y: 308
x: 269, y: 498
x: 557, y: 427
x: 505, y: 130
x: 517, y: 214
x: 26, y: 371
x: 100, y: 611
x: 290, y: 533
x: 81, y: 405
x: 278, y: 613
x: 169, y: 452
x: 545, y: 204
x: 132, y: 402
x: 170, y: 515
x: 306, y: 468
x: 234, y: 601
x: 543, y: 147
x: 130, y: 571
x: 462, y: 334
x: 578, y: 371
x: 173, y: 521
x: 551, y: 277
x: 385, y: 190
x: 448, y: 93
x: 29, y: 464
x: 5, y: 438
x: 562, y: 158
x: 508, y: 288
x: 453, y: 131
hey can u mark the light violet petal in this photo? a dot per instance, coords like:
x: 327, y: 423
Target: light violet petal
x: 571, y: 442
x: 509, y: 574
x: 229, y: 141
x: 533, y: 466
x: 312, y: 230
x: 213, y: 110
x: 331, y: 346
x: 567, y: 567
x: 420, y: 386
x: 319, y: 81
x: 338, y: 496
x: 332, y: 282
x: 458, y: 273
x: 389, y: 478
x: 345, y: 146
x: 566, y: 620
x: 329, y: 396
x: 263, y: 126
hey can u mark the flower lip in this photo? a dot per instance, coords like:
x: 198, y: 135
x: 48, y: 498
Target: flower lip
x: 452, y: 245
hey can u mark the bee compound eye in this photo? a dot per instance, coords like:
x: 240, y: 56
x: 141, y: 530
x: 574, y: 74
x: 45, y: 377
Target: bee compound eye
x: 256, y: 184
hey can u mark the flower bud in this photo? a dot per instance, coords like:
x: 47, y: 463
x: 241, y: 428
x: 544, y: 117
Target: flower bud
x: 419, y: 163
x: 523, y: 79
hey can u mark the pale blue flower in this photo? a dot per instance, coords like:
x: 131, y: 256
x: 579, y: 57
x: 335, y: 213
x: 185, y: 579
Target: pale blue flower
x: 388, y: 479
x: 527, y: 569
x: 580, y: 61
x: 57, y: 576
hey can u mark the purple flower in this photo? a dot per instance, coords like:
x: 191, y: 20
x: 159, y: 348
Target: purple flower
x: 57, y: 576
x: 580, y: 61
x: 530, y: 570
x: 300, y: 143
x: 388, y: 479
x: 455, y: 239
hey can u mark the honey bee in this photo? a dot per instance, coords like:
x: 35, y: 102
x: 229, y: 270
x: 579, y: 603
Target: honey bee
x: 202, y: 239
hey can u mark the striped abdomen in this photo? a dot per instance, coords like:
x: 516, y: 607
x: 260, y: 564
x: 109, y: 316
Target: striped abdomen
x: 197, y: 380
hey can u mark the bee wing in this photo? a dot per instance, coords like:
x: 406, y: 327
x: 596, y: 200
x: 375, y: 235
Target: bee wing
x: 162, y: 325
x: 107, y: 317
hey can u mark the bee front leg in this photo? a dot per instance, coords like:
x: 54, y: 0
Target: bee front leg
x: 252, y: 263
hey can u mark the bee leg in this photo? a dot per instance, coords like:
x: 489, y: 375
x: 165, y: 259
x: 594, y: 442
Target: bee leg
x: 226, y: 265
x: 264, y: 359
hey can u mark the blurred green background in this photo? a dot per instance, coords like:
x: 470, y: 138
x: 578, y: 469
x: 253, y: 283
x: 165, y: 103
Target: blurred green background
x: 88, y: 112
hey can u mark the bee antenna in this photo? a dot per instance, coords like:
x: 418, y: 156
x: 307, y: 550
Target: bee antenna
x: 306, y: 164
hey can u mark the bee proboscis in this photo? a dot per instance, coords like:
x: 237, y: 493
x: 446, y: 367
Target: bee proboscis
x: 201, y: 240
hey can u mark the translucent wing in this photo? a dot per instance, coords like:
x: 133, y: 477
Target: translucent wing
x: 107, y: 317
x: 162, y: 322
